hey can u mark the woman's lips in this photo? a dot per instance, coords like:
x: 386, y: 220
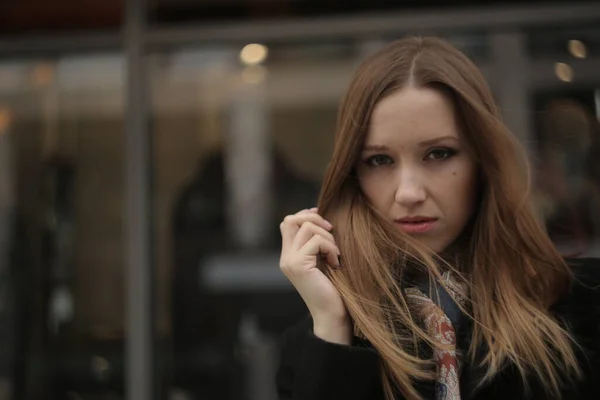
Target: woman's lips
x: 414, y: 225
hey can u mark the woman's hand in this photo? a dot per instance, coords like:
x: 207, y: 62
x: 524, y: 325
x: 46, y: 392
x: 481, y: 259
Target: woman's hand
x: 305, y: 236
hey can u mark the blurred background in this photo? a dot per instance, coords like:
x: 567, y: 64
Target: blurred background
x: 148, y: 150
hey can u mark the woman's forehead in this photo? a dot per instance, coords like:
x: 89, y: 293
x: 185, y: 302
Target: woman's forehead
x: 412, y: 116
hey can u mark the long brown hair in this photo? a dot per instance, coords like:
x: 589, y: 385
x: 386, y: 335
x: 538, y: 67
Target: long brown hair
x: 512, y: 268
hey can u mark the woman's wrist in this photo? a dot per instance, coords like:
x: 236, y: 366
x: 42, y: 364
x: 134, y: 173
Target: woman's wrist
x: 333, y: 331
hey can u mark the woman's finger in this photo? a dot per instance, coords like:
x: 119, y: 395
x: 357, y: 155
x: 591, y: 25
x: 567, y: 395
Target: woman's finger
x: 307, y: 231
x: 289, y: 226
x: 319, y: 245
x: 292, y: 223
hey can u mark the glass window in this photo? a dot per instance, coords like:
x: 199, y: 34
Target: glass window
x: 565, y: 42
x: 61, y: 241
x: 236, y: 149
x: 568, y: 174
x: 565, y: 100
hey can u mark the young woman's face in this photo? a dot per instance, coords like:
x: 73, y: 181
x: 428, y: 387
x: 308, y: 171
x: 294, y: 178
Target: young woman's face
x: 416, y: 169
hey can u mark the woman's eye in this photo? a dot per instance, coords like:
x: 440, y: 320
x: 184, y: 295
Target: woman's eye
x: 378, y: 160
x: 440, y: 154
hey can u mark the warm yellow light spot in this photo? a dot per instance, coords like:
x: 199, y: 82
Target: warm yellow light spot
x: 564, y: 72
x: 254, y: 54
x: 577, y: 49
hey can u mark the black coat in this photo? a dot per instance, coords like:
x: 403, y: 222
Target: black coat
x: 312, y: 369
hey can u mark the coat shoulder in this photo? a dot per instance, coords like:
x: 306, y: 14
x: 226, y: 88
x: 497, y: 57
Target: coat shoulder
x: 587, y: 266
x: 580, y: 306
x: 586, y: 278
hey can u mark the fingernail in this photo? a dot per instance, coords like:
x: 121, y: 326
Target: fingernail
x: 329, y: 225
x: 314, y: 209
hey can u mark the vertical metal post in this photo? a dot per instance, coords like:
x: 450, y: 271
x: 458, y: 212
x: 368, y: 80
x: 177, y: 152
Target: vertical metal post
x: 597, y: 102
x: 137, y: 217
x: 510, y: 81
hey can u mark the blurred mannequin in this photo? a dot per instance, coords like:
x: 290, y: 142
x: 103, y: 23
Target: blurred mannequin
x: 204, y: 319
x: 567, y: 192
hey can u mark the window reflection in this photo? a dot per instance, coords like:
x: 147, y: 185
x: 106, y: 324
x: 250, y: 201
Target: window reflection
x: 567, y: 170
x: 232, y: 159
x: 61, y: 260
x: 565, y: 41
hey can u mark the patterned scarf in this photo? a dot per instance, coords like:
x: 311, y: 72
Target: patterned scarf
x: 442, y: 329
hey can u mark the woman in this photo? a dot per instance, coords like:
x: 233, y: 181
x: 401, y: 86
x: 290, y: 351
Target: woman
x: 425, y: 270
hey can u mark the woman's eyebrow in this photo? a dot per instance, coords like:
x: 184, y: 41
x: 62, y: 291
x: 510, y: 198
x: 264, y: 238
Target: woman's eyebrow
x: 375, y: 147
x: 429, y: 142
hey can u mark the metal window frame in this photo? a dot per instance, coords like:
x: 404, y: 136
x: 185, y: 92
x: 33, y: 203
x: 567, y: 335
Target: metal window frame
x: 16, y: 47
x: 364, y: 25
x: 138, y: 219
x: 137, y: 39
x: 376, y: 24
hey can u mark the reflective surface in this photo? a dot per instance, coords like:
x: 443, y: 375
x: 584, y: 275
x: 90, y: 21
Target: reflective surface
x: 61, y: 273
x: 568, y: 173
